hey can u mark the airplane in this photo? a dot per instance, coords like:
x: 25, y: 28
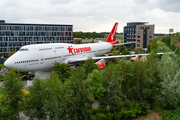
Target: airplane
x: 37, y: 57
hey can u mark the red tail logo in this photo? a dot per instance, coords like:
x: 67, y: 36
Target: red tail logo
x: 112, y: 36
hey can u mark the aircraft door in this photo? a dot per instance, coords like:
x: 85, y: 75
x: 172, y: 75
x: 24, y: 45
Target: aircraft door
x: 41, y: 60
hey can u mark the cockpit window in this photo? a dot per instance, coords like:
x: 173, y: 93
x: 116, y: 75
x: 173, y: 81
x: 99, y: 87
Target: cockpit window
x: 23, y: 49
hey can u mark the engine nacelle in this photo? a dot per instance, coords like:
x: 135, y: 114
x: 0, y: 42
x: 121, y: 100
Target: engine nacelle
x: 101, y: 63
x: 135, y: 59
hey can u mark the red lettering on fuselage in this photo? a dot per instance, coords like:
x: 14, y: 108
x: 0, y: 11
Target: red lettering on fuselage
x: 78, y: 50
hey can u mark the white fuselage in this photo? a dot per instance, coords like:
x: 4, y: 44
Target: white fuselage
x: 42, y: 56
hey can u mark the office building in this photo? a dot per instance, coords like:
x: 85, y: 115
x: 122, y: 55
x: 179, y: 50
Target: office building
x: 141, y: 33
x: 16, y: 35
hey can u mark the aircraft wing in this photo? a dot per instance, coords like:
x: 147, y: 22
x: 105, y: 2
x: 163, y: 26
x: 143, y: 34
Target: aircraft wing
x: 107, y: 57
x: 123, y: 43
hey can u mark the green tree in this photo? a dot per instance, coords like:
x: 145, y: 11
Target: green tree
x: 13, y: 92
x: 63, y: 70
x: 121, y: 48
x: 34, y: 101
x: 168, y: 72
x: 1, y: 77
x: 79, y: 42
x: 131, y: 47
x: 95, y: 80
x: 57, y: 97
x: 12, y: 51
x: 83, y: 37
x: 125, y: 52
x: 112, y: 96
x: 89, y: 37
x: 92, y: 41
x: 6, y: 112
x: 139, y: 51
x: 82, y: 97
x: 153, y: 45
x: 114, y: 51
x: 163, y: 48
x: 89, y: 66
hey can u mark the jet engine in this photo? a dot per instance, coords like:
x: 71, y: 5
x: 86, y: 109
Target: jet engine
x: 101, y: 63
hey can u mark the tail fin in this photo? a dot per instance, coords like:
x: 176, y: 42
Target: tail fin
x: 112, y: 36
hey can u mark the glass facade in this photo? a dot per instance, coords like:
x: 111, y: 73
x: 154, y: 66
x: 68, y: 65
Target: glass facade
x: 18, y: 35
x: 138, y: 32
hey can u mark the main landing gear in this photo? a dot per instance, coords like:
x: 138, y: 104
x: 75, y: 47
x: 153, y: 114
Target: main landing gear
x: 30, y: 76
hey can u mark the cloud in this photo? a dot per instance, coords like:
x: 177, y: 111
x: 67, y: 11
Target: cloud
x: 60, y: 1
x: 92, y: 15
x: 168, y: 5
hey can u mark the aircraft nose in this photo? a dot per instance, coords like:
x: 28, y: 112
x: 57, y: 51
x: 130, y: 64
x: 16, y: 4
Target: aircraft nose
x: 8, y: 63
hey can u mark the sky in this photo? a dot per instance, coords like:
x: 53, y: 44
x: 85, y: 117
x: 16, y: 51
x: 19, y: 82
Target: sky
x: 93, y: 15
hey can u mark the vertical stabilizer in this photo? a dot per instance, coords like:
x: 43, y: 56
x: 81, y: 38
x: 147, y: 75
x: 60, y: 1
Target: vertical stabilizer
x: 112, y: 36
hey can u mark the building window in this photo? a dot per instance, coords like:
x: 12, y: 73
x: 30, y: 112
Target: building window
x: 47, y: 33
x: 21, y: 33
x: 138, y: 45
x: 31, y: 33
x: 139, y: 28
x: 43, y: 33
x: 150, y: 27
x: 46, y: 28
x: 27, y: 27
x: 20, y: 39
x: 36, y: 28
x: 11, y: 38
x: 27, y: 33
x: 52, y: 28
x: 138, y: 36
x: 12, y: 33
x: 1, y: 39
x: 138, y: 41
x: 3, y: 27
x: 51, y: 38
x: 150, y: 32
x: 53, y: 33
x: 31, y: 28
x: 37, y: 33
x: 30, y: 38
x: 61, y: 28
x: 1, y: 33
x: 138, y: 32
x: 150, y: 36
x: 39, y: 28
x: 11, y: 27
x: 21, y: 28
x: 61, y: 33
x: 7, y: 33
x: 68, y: 38
x: 69, y: 29
x: 16, y: 27
x: 150, y: 41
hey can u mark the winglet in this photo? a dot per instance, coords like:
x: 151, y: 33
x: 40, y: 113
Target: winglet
x: 112, y: 36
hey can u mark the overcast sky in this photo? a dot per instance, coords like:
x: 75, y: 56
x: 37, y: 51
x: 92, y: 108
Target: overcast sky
x: 93, y: 15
